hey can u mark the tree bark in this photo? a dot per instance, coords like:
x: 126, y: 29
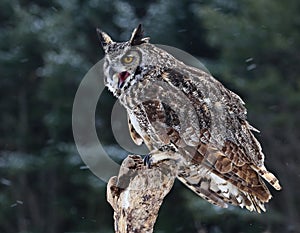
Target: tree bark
x: 138, y: 192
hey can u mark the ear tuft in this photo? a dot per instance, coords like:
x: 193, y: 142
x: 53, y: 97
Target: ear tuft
x: 104, y: 39
x: 137, y: 36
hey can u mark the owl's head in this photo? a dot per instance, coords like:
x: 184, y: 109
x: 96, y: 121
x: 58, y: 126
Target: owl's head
x: 124, y: 61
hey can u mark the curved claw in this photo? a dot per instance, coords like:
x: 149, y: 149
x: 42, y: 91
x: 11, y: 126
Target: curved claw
x: 147, y: 160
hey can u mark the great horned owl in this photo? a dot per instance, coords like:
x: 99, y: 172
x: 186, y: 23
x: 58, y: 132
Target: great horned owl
x: 183, y: 113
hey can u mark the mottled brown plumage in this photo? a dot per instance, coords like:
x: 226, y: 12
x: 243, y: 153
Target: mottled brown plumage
x: 183, y: 113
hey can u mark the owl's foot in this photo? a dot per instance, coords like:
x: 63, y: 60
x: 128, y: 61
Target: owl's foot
x: 163, y: 153
x: 147, y: 160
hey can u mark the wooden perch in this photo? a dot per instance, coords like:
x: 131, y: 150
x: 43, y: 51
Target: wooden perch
x: 137, y: 194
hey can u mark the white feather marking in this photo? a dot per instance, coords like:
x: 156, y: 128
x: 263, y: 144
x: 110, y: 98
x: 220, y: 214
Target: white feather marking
x: 134, y: 122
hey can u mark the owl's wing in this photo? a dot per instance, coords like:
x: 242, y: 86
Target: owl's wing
x: 227, y: 148
x: 211, y: 174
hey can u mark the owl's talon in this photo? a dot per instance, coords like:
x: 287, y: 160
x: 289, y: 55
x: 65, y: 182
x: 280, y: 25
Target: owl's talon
x: 147, y: 160
x: 165, y: 152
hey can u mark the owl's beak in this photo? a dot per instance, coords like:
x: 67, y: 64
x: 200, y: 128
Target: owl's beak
x: 122, y: 77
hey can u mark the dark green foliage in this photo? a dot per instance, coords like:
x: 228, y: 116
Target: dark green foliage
x: 46, y: 47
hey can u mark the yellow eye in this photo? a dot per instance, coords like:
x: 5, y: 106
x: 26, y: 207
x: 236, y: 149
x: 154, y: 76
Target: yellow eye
x: 127, y: 59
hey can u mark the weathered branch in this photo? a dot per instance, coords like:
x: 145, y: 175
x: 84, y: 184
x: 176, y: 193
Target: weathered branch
x: 137, y: 194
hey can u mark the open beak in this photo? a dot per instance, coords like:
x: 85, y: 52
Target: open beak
x: 122, y: 77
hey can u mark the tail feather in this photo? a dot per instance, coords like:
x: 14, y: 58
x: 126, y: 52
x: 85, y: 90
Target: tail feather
x: 219, y: 191
x: 268, y: 176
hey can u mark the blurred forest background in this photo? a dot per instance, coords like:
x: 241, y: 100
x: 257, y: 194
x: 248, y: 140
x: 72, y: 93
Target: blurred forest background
x: 46, y: 47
